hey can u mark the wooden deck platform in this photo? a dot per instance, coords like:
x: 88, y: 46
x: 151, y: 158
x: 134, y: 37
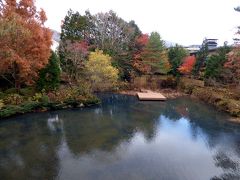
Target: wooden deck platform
x: 150, y: 96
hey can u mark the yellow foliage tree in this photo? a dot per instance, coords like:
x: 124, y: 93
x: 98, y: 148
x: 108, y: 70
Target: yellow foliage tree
x: 102, y: 75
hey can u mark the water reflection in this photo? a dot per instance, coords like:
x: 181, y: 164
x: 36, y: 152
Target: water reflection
x: 122, y: 139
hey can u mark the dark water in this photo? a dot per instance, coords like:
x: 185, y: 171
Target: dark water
x: 122, y: 139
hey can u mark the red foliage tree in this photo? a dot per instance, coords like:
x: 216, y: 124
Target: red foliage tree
x: 138, y: 63
x: 188, y: 64
x: 233, y: 64
x: 141, y: 41
x: 24, y: 42
x: 76, y: 54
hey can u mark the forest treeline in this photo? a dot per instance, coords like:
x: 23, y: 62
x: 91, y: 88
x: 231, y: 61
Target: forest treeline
x: 97, y: 52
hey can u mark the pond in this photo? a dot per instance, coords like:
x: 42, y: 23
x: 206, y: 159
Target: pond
x: 122, y: 139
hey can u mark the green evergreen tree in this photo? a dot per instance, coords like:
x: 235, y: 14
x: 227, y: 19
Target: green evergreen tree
x: 215, y: 63
x: 200, y: 59
x: 155, y: 55
x: 74, y: 27
x: 49, y: 77
x: 176, y: 55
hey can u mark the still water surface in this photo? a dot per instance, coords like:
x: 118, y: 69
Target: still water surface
x: 181, y: 139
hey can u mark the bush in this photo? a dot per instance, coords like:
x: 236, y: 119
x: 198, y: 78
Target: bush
x: 2, y: 95
x: 187, y: 85
x: 169, y: 82
x: 30, y: 106
x: 29, y: 91
x: 10, y: 110
x: 13, y: 99
x: 1, y: 104
x: 37, y: 97
x: 44, y: 99
x: 11, y: 91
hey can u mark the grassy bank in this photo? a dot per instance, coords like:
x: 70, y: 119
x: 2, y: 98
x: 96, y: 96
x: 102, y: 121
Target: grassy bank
x: 27, y: 100
x: 224, y: 99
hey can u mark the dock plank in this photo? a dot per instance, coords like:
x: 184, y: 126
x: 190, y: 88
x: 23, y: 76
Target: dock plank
x: 150, y: 96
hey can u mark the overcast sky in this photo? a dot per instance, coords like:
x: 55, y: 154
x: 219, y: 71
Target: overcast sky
x: 182, y: 21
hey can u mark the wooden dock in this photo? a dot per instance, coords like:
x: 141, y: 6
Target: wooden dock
x: 148, y: 95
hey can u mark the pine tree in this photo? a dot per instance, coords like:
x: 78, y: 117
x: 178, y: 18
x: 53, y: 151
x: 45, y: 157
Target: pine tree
x: 200, y: 59
x: 155, y: 54
x: 176, y: 56
x: 49, y: 77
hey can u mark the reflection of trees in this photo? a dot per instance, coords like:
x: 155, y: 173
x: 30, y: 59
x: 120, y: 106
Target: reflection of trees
x: 144, y: 117
x: 28, y: 149
x: 107, y: 126
x: 231, y: 167
x: 206, y: 120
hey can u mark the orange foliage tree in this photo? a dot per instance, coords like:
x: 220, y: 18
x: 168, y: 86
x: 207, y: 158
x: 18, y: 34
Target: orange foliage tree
x: 233, y: 64
x: 24, y: 42
x: 188, y: 64
x: 138, y: 63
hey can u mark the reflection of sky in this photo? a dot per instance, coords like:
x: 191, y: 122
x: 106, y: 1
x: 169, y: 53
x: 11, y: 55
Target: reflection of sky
x: 171, y: 154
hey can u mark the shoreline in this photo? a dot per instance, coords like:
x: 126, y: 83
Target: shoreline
x: 41, y: 107
x: 174, y: 93
x: 17, y: 110
x: 168, y: 93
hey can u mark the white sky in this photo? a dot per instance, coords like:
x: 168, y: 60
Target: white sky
x: 181, y: 21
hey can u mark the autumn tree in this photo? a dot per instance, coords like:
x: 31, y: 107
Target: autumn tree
x: 188, y: 65
x: 102, y: 75
x: 74, y: 29
x: 233, y: 65
x: 176, y: 55
x: 139, y: 66
x: 105, y: 31
x: 24, y: 42
x: 233, y: 61
x: 123, y: 60
x: 115, y: 37
x: 155, y: 54
x: 76, y: 53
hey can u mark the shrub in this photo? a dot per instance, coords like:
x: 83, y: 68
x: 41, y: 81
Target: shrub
x: 2, y: 95
x: 29, y: 91
x: 37, y: 97
x: 44, y: 99
x: 169, y: 82
x: 13, y: 99
x: 10, y: 110
x: 11, y: 91
x: 1, y: 104
x: 30, y: 106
